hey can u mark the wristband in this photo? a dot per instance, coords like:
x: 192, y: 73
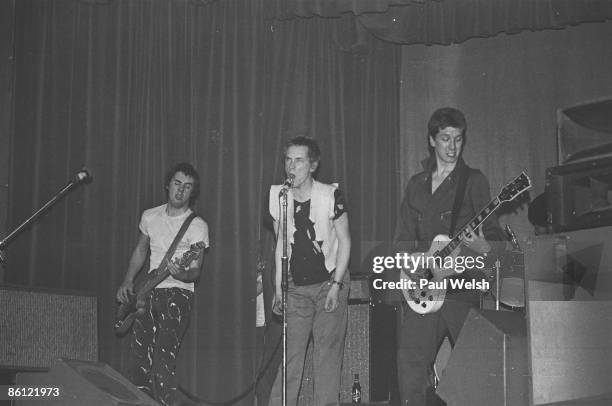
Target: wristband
x: 340, y: 284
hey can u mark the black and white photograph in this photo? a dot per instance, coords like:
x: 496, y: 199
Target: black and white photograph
x: 306, y: 202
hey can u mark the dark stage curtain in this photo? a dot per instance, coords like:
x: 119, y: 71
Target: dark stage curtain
x: 7, y: 9
x: 448, y: 21
x: 128, y: 88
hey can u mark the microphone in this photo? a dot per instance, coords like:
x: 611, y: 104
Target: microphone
x: 289, y: 181
x: 82, y: 176
x: 286, y: 185
x: 512, y: 238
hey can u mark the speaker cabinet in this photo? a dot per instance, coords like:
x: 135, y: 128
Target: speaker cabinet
x: 383, y: 352
x: 356, y: 357
x: 488, y: 365
x: 571, y: 350
x: 356, y: 352
x: 570, y: 266
x: 569, y: 308
x: 37, y: 326
x: 84, y: 383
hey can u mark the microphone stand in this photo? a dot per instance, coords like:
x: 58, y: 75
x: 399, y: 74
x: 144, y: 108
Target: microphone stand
x: 497, y: 266
x: 20, y: 228
x: 284, y: 286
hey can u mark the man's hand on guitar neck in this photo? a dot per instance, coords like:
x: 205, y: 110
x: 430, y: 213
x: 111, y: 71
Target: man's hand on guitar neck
x: 183, y: 274
x: 476, y: 241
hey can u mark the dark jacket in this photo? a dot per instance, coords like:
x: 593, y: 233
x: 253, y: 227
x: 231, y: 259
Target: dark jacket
x: 424, y: 215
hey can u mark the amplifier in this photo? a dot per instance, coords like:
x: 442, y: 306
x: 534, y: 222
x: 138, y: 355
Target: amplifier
x: 39, y: 326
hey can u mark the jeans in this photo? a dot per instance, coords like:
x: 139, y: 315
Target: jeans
x: 306, y: 316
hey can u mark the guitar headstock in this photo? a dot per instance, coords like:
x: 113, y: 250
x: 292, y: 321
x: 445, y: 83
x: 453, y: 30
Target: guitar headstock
x: 513, y: 189
x: 193, y: 253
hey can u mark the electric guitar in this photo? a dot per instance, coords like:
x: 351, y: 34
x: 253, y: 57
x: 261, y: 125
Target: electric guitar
x: 427, y: 293
x: 127, y: 312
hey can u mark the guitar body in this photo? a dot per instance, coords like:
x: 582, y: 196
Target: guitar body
x: 128, y: 312
x: 428, y: 297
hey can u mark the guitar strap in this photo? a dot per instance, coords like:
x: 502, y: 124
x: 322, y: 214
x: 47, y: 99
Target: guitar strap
x: 177, y: 239
x: 463, y: 176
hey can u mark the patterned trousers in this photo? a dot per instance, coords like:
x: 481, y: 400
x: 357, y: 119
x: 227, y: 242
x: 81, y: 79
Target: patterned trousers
x: 156, y: 339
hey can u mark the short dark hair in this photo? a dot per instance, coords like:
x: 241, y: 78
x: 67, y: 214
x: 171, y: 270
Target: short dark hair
x: 537, y: 212
x: 445, y: 117
x: 188, y: 170
x: 314, y: 152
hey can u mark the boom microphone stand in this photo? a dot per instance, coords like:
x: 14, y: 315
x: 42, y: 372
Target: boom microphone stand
x: 80, y: 177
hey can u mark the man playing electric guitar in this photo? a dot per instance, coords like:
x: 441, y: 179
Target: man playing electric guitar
x: 158, y: 331
x: 426, y: 211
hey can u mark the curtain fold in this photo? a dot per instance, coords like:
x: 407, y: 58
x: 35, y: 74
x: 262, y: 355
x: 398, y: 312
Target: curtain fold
x: 454, y: 21
x: 7, y: 21
x: 287, y: 9
x: 127, y: 89
x: 448, y: 21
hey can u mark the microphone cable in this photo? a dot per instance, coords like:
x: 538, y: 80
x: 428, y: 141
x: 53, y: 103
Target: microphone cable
x: 262, y: 369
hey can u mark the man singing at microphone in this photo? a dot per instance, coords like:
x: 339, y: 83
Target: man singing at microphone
x: 318, y: 249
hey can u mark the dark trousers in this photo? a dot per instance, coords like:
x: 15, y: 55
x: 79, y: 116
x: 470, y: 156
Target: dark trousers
x: 419, y: 339
x: 156, y: 339
x: 270, y: 356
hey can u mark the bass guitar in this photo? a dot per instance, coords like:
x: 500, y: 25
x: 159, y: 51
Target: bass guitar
x: 426, y: 291
x: 127, y: 312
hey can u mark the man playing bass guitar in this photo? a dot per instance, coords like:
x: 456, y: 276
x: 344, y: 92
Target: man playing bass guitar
x: 430, y: 200
x: 164, y: 314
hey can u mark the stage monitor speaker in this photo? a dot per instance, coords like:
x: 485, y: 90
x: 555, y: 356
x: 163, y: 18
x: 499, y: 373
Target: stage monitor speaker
x: 488, y: 365
x: 356, y: 357
x: 39, y: 326
x: 84, y: 383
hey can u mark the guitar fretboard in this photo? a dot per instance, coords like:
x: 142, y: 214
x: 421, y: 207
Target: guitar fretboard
x: 472, y: 225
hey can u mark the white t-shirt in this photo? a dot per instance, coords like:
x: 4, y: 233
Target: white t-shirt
x: 161, y: 230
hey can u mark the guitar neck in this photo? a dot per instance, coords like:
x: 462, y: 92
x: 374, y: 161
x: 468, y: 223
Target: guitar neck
x: 472, y: 225
x: 152, y: 279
